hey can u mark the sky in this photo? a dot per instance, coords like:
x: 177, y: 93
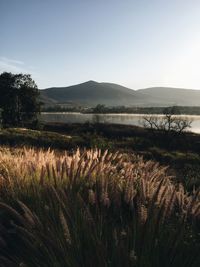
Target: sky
x: 135, y: 43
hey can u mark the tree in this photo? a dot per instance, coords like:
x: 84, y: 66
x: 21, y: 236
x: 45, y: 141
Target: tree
x: 19, y: 99
x: 99, y: 108
x: 170, y: 121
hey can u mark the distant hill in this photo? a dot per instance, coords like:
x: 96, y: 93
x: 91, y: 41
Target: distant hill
x: 174, y: 96
x: 92, y: 93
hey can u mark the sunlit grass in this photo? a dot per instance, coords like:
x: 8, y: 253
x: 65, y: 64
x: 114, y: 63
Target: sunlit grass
x: 93, y: 208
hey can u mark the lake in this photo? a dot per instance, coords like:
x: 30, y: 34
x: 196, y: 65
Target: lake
x: 127, y: 119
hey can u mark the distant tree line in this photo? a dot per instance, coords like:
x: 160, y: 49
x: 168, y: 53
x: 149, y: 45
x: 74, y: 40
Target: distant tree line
x: 60, y: 108
x: 19, y: 102
x: 102, y: 109
x: 178, y: 110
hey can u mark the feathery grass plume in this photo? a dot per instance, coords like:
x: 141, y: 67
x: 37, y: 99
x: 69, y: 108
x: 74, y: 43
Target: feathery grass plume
x: 94, y: 208
x: 65, y: 228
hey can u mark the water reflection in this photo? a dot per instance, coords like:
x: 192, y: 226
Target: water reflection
x: 127, y: 119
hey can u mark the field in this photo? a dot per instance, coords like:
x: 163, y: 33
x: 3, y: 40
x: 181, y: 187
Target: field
x: 180, y: 152
x: 69, y: 206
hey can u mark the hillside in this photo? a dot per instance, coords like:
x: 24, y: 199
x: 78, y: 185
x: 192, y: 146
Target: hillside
x: 92, y: 93
x: 173, y: 96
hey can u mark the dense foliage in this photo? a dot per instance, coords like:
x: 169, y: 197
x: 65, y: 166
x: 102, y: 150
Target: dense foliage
x: 19, y: 99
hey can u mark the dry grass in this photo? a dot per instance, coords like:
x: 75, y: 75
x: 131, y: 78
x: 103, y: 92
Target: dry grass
x: 94, y: 208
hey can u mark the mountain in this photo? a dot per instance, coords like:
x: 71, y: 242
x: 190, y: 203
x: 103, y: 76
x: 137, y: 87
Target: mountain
x: 173, y: 96
x: 92, y: 93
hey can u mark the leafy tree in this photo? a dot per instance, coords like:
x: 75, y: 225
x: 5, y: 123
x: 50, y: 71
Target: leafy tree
x: 19, y: 99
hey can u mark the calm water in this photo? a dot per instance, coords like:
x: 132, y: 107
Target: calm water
x: 128, y: 119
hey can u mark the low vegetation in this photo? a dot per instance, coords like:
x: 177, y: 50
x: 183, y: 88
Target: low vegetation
x: 91, y: 207
x: 94, y: 208
x: 180, y: 152
x: 38, y: 138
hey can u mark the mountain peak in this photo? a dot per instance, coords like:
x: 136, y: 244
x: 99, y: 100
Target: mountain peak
x: 91, y: 82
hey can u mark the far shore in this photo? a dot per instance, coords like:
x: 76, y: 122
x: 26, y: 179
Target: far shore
x: 117, y: 114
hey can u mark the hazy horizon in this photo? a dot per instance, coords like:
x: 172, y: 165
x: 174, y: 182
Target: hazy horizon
x: 137, y: 44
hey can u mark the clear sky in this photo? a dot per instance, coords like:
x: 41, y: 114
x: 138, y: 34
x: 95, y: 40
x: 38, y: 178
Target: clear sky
x: 136, y: 43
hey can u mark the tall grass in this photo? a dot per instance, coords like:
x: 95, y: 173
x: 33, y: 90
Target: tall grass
x: 93, y: 208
